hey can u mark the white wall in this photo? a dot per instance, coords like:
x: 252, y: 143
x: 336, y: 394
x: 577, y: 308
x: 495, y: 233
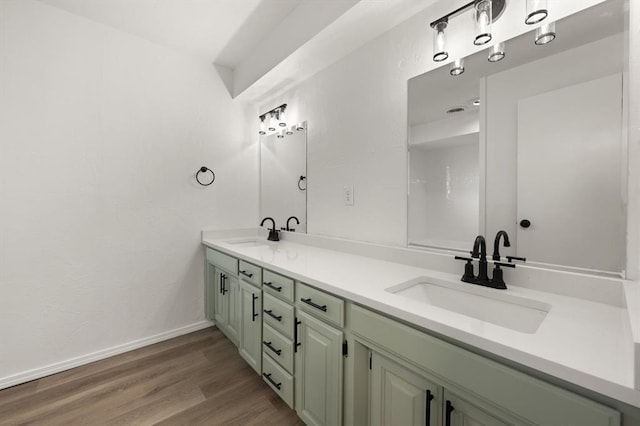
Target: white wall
x: 633, y: 213
x: 357, y: 115
x: 100, y: 219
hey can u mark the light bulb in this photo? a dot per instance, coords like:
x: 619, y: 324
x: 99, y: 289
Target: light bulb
x: 272, y: 123
x: 496, y: 53
x: 536, y: 11
x: 545, y: 33
x: 457, y: 67
x: 263, y: 127
x: 289, y: 130
x: 300, y: 127
x: 281, y: 134
x: 483, y: 20
x: 440, y: 42
x: 282, y: 122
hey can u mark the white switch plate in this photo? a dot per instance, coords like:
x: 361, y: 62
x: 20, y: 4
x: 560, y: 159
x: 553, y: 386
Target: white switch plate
x: 348, y: 195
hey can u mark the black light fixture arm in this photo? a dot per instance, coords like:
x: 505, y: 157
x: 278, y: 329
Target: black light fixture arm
x: 498, y: 8
x: 275, y: 110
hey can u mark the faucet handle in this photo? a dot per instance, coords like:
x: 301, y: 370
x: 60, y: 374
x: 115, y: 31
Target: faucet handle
x: 508, y: 265
x: 522, y: 259
x: 468, y: 259
x: 468, y: 275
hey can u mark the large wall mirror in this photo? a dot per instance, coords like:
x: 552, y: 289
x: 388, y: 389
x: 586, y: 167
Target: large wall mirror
x: 283, y: 177
x: 534, y: 144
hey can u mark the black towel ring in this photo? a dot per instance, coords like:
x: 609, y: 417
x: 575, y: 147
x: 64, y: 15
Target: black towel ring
x: 204, y: 169
x: 302, y: 179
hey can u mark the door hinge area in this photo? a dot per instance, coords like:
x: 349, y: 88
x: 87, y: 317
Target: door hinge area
x: 345, y: 348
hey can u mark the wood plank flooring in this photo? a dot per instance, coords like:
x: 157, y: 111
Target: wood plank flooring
x: 196, y: 379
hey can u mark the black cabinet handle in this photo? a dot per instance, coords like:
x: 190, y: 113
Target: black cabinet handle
x: 448, y: 410
x: 272, y: 315
x: 273, y: 382
x: 525, y: 223
x: 295, y: 336
x: 308, y: 301
x: 276, y: 351
x: 223, y: 284
x: 273, y: 287
x: 254, y: 314
x: 246, y: 274
x: 427, y: 412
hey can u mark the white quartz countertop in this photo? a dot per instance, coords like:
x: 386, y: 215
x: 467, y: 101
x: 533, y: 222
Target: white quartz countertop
x: 583, y: 342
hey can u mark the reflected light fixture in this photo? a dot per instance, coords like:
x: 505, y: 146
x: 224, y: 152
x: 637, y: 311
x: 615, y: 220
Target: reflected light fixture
x: 289, y: 131
x: 300, y: 127
x: 545, y: 33
x: 476, y: 102
x: 272, y: 120
x: 457, y: 67
x: 440, y: 41
x: 483, y: 20
x: 280, y: 133
x: 496, y: 52
x: 536, y: 11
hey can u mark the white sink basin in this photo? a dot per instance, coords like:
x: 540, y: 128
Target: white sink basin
x: 494, y: 306
x: 246, y: 243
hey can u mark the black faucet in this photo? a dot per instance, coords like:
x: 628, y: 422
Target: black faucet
x: 480, y: 244
x: 480, y: 252
x: 496, y: 244
x: 291, y: 229
x: 273, y: 232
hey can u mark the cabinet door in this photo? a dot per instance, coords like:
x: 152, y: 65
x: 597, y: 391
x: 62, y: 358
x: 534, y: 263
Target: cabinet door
x: 233, y: 294
x: 250, y: 344
x: 318, y: 367
x: 221, y: 300
x: 401, y: 397
x: 459, y: 412
x: 209, y: 291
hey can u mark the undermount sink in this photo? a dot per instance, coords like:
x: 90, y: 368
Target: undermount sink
x: 246, y: 243
x: 503, y: 309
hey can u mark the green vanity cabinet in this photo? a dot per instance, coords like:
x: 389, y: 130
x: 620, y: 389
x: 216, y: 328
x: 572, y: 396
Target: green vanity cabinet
x: 318, y: 378
x: 250, y: 344
x: 400, y: 396
x: 226, y: 292
x: 209, y: 291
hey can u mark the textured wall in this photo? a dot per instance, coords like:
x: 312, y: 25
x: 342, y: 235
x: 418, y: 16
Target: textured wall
x: 100, y: 218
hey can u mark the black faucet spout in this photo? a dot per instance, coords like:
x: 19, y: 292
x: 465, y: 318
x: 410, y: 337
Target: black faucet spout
x: 479, y: 248
x: 288, y: 220
x: 496, y: 244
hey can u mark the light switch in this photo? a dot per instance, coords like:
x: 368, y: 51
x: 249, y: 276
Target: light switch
x: 348, y: 195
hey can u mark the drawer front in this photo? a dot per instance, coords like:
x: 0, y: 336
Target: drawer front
x: 277, y: 285
x: 278, y: 314
x: 224, y: 261
x: 277, y: 347
x: 320, y: 304
x: 278, y: 379
x: 250, y: 273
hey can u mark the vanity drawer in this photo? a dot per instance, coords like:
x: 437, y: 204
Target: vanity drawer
x: 278, y: 379
x: 279, y: 286
x: 277, y: 347
x: 278, y: 314
x: 250, y: 273
x: 320, y: 304
x: 224, y: 261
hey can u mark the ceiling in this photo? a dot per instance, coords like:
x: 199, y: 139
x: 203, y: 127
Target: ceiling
x: 248, y: 39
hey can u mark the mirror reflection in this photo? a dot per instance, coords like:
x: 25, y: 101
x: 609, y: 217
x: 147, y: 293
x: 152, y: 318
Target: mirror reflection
x: 532, y: 144
x: 283, y: 172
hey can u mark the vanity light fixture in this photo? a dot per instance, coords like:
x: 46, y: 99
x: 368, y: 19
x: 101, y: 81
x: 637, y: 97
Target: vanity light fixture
x: 274, y: 119
x: 545, y: 33
x: 289, y: 131
x: 440, y: 41
x: 485, y: 13
x: 300, y: 127
x: 496, y: 52
x: 457, y: 67
x: 280, y: 133
x: 476, y: 102
x: 536, y: 11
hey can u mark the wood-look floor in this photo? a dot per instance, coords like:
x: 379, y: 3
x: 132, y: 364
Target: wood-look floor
x: 196, y: 379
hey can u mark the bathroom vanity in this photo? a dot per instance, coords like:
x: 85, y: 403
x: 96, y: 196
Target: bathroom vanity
x: 344, y: 337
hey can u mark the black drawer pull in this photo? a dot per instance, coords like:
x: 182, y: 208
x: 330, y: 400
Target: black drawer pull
x: 272, y: 315
x: 428, y: 408
x: 273, y: 382
x: 254, y: 314
x: 268, y: 344
x: 246, y: 274
x: 308, y: 301
x: 271, y: 286
x: 448, y: 409
x: 295, y: 336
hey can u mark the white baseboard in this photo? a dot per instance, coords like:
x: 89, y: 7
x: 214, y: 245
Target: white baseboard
x: 38, y: 373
